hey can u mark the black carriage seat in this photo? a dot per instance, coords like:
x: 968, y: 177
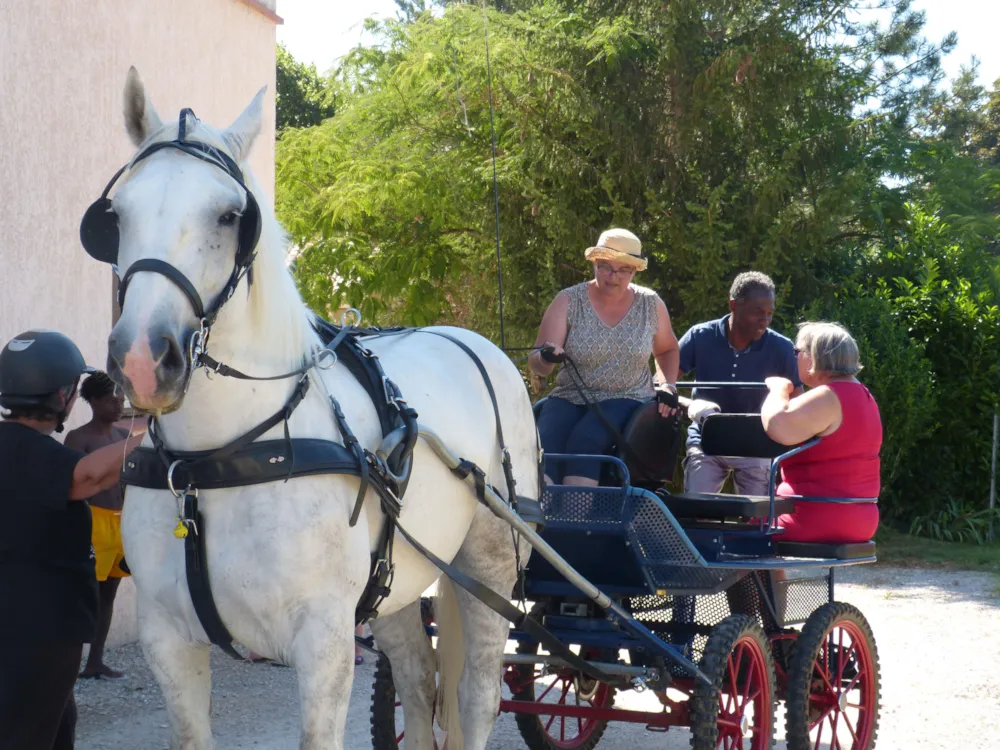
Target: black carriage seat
x: 737, y: 436
x: 825, y: 551
x: 653, y: 443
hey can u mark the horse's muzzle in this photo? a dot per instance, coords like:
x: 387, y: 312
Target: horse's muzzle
x: 151, y: 366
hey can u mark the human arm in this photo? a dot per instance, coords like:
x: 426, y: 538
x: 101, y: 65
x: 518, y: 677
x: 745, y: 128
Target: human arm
x: 666, y: 353
x: 552, y: 332
x: 791, y: 420
x: 99, y: 470
x: 790, y: 368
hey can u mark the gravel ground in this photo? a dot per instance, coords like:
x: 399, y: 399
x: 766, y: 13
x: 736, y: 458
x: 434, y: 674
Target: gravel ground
x: 938, y: 635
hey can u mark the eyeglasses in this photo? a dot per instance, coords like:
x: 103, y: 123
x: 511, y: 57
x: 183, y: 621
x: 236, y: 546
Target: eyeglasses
x: 799, y: 351
x: 609, y: 271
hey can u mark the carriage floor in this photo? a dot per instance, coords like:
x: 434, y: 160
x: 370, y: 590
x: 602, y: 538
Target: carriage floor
x: 938, y: 635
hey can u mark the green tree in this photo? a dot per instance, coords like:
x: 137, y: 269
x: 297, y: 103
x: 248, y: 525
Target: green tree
x: 726, y: 134
x: 304, y: 99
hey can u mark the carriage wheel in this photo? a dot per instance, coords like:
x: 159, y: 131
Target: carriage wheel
x: 387, y: 711
x: 737, y: 711
x: 562, y: 687
x: 833, y: 682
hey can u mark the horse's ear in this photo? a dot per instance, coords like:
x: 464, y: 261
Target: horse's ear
x: 140, y: 117
x: 240, y: 135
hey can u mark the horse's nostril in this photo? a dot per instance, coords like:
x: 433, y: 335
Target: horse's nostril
x: 167, y: 353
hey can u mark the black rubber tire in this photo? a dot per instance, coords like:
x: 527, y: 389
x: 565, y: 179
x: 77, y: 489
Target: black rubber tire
x: 800, y: 672
x: 383, y: 712
x: 532, y: 727
x: 714, y: 662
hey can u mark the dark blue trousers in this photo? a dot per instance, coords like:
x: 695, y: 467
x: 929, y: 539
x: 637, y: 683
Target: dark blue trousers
x: 565, y: 427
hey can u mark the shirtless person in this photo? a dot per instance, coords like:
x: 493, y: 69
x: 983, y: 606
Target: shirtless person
x: 107, y: 404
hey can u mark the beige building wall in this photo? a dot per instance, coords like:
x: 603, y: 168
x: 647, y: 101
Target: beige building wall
x: 62, y: 136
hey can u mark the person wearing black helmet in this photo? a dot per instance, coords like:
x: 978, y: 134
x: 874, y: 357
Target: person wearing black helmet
x: 48, y: 588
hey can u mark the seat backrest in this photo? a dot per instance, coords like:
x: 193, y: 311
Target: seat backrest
x: 738, y: 435
x: 654, y: 443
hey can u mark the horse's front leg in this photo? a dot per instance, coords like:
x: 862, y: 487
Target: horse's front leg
x: 401, y: 636
x: 323, y: 656
x: 182, y: 672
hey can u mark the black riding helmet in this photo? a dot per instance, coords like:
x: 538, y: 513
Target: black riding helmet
x: 35, y: 366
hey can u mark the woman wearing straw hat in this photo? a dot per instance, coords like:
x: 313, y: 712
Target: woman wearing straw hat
x: 607, y: 327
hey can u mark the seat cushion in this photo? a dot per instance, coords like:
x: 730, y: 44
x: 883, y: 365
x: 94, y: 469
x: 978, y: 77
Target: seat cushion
x: 825, y: 551
x: 703, y: 505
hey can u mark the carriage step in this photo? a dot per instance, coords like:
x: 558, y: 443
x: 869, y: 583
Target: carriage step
x: 825, y: 551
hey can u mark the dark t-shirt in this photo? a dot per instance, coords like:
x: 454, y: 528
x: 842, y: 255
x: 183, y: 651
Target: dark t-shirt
x: 48, y: 588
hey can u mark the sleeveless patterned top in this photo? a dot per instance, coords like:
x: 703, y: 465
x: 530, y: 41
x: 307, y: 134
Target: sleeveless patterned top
x: 613, y: 362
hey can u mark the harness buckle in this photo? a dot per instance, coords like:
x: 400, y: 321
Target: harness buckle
x: 198, y: 344
x: 391, y: 389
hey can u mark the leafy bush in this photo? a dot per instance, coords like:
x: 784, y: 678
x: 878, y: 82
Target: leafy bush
x: 957, y: 522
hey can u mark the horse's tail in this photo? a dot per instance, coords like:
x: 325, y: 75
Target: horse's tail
x: 451, y: 661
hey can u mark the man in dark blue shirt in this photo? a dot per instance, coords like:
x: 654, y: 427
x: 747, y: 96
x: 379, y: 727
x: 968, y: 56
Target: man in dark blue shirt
x: 737, y: 348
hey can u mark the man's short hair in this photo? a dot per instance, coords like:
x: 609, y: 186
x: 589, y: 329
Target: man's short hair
x: 97, y: 385
x: 750, y: 283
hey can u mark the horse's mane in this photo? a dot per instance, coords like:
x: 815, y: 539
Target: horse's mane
x: 277, y: 313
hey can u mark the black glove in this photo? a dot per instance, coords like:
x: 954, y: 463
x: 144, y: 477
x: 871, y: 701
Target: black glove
x: 549, y: 355
x: 667, y: 397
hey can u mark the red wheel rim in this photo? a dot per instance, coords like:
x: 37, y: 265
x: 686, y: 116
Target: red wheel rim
x: 745, y: 699
x: 568, y: 688
x: 842, y: 691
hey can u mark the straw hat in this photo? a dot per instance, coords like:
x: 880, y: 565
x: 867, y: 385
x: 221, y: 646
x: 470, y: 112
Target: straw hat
x: 619, y: 245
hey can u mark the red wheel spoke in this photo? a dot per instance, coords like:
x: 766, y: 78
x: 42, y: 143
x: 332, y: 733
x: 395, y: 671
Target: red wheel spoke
x: 819, y: 722
x: 835, y: 741
x: 548, y: 690
x: 400, y: 737
x: 861, y: 673
x: 824, y: 675
x: 847, y: 723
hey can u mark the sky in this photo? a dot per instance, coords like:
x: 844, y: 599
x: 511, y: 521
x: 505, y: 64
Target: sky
x: 321, y: 31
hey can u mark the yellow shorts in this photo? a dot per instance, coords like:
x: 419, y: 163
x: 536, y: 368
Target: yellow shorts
x: 106, y: 536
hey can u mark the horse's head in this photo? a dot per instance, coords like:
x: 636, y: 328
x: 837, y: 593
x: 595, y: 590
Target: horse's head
x: 182, y: 229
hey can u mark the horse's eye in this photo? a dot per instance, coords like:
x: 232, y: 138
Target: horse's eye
x: 228, y: 219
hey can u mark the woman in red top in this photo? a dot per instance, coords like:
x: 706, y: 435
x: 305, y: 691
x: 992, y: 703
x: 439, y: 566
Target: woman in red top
x: 845, y: 464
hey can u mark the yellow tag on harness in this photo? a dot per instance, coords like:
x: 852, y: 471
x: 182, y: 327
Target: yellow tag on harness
x: 180, y: 530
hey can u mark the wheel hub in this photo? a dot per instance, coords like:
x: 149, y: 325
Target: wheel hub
x: 745, y: 725
x: 842, y: 702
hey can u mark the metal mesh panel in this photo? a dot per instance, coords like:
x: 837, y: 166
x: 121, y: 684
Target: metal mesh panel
x: 671, y: 562
x: 658, y: 539
x: 681, y: 620
x: 597, y: 506
x: 798, y: 598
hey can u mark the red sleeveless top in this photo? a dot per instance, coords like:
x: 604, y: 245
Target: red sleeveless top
x: 845, y: 463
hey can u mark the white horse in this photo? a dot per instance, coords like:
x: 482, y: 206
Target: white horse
x: 286, y: 570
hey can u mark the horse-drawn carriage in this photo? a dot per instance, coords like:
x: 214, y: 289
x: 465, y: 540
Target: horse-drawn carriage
x: 731, y: 620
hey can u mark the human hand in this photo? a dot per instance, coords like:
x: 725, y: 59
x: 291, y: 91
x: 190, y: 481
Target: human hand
x: 699, y: 409
x: 552, y: 353
x: 666, y: 398
x: 779, y: 385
